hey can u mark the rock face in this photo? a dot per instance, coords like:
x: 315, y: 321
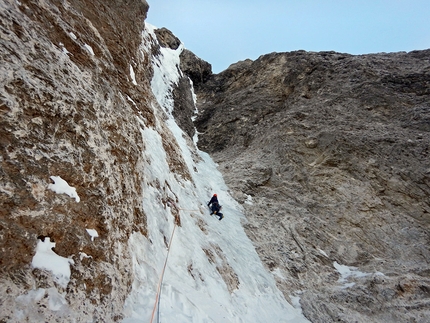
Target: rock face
x: 195, y: 68
x: 329, y: 154
x: 167, y: 39
x: 192, y: 68
x: 94, y: 170
x: 66, y: 111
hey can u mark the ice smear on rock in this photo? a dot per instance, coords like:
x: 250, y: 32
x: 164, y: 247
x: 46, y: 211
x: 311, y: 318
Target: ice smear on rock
x: 213, y: 272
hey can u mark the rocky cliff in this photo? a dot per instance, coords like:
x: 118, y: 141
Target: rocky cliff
x: 100, y: 177
x: 326, y: 152
x: 329, y: 154
x: 66, y: 111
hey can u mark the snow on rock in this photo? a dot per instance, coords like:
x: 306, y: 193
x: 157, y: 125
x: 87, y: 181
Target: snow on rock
x: 47, y: 259
x: 93, y: 233
x: 89, y: 49
x: 133, y: 76
x: 83, y: 255
x: 73, y: 36
x: 63, y: 49
x: 249, y: 200
x: 79, y: 128
x: 60, y: 186
x: 346, y: 272
x: 323, y: 252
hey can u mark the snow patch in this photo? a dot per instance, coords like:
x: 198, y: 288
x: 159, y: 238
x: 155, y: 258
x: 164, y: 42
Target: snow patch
x: 73, y: 36
x: 93, y: 233
x: 131, y: 100
x: 28, y: 304
x: 347, y: 272
x: 47, y: 259
x: 83, y: 255
x: 249, y: 200
x: 60, y: 186
x: 89, y: 49
x: 34, y: 295
x: 63, y: 49
x: 132, y: 75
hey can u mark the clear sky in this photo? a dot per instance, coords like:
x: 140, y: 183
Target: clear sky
x: 223, y: 32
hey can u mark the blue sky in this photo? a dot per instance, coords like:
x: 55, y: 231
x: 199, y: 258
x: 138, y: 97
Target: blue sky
x: 223, y: 32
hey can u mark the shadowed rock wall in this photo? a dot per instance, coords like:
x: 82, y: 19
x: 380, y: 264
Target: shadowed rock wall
x: 329, y: 154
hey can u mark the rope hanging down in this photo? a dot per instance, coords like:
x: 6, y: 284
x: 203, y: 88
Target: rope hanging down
x: 160, y: 281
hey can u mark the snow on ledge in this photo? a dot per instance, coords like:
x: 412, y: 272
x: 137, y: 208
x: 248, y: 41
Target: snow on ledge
x: 89, y: 49
x: 46, y: 258
x: 60, y: 186
x: 83, y: 255
x: 249, y: 200
x: 73, y: 36
x: 93, y: 233
x: 133, y: 75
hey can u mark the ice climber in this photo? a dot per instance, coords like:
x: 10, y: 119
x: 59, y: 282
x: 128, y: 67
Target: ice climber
x: 215, y: 208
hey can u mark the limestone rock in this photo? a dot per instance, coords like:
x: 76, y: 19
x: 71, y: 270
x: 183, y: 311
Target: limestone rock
x: 184, y: 107
x: 195, y: 68
x: 167, y: 39
x: 329, y: 154
x: 64, y: 112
